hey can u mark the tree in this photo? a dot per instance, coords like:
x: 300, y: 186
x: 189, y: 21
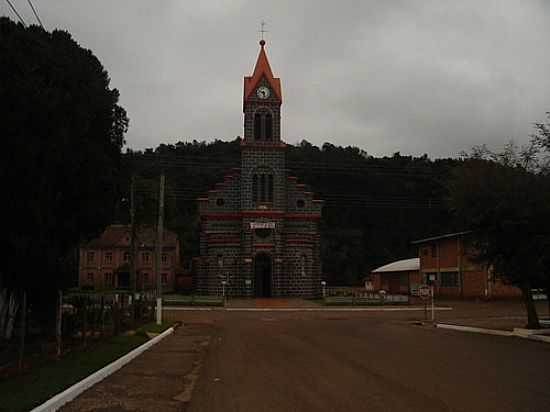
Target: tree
x: 506, y: 205
x: 63, y: 132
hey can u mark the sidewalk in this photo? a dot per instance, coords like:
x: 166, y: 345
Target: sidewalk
x: 272, y: 303
x: 161, y: 379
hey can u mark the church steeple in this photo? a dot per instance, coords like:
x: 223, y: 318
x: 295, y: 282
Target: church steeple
x: 262, y: 100
x: 262, y: 70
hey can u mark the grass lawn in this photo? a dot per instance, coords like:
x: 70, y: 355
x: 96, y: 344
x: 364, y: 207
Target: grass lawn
x: 24, y: 392
x: 154, y: 328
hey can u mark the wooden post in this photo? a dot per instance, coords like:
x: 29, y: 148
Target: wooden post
x: 116, y: 317
x: 22, y: 331
x: 58, y: 324
x: 102, y: 315
x: 122, y: 312
x: 84, y: 319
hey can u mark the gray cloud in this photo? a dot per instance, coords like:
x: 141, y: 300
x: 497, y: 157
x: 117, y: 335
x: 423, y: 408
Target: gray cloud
x: 432, y: 76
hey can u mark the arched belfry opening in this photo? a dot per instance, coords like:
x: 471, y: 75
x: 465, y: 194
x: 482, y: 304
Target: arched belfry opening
x: 263, y: 125
x: 262, y: 275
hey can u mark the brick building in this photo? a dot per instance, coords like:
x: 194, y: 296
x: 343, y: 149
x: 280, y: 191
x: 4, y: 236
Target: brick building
x: 260, y: 227
x: 449, y: 260
x: 105, y: 261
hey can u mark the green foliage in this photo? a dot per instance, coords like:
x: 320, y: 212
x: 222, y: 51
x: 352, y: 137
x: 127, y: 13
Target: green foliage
x: 506, y: 205
x: 154, y: 328
x: 373, y: 207
x: 63, y: 133
x: 27, y: 391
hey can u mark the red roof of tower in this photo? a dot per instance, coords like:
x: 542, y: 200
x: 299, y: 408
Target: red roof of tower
x: 262, y: 68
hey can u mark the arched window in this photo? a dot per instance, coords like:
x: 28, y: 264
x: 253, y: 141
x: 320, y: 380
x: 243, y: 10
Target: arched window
x: 270, y: 188
x: 268, y: 126
x: 262, y: 188
x: 255, y: 188
x: 258, y: 126
x: 263, y: 125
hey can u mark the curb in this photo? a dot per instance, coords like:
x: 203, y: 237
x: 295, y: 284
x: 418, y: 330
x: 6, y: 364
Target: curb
x: 518, y: 333
x: 474, y: 330
x: 73, y: 391
x: 539, y: 338
x: 342, y: 309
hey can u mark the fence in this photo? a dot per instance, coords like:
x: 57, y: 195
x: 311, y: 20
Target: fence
x: 360, y: 296
x: 80, y: 318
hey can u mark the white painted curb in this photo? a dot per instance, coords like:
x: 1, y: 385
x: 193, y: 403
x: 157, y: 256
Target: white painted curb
x: 520, y: 333
x: 474, y: 330
x: 72, y: 392
x: 540, y: 338
x: 341, y: 309
x: 524, y: 333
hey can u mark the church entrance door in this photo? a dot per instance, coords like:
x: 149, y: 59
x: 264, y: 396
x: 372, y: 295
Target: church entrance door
x: 262, y: 275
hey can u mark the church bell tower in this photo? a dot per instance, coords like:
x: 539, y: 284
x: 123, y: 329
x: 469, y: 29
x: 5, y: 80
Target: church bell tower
x: 262, y: 100
x: 263, y: 152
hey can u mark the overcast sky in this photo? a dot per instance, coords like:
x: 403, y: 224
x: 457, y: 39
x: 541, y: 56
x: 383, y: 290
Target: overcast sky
x: 413, y: 76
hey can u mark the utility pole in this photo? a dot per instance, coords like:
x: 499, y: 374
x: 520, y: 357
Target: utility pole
x: 160, y: 232
x: 133, y: 274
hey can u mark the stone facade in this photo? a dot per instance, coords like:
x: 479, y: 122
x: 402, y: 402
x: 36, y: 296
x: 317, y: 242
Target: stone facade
x: 260, y: 227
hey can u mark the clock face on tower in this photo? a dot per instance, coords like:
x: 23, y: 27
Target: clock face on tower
x: 263, y: 92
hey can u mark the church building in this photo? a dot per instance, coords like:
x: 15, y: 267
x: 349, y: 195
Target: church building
x: 260, y: 227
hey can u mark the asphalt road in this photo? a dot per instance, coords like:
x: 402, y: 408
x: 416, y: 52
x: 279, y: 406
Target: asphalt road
x: 263, y: 362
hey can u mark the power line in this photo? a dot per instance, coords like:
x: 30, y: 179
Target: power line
x: 35, y: 13
x: 16, y: 13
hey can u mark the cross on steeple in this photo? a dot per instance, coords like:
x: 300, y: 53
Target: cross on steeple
x: 262, y: 29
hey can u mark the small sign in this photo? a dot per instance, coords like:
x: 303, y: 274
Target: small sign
x: 262, y: 225
x: 424, y: 292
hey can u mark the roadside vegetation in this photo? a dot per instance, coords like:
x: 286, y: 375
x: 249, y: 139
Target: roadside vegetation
x: 24, y: 392
x: 504, y: 198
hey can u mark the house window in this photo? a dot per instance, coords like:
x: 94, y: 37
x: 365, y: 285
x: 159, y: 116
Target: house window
x: 108, y: 280
x: 146, y: 257
x: 220, y: 202
x: 425, y: 251
x: 220, y: 261
x: 434, y: 250
x: 108, y: 258
x: 449, y: 279
x: 164, y: 279
x: 90, y: 278
x: 145, y: 280
x: 126, y: 256
x: 91, y: 257
x: 303, y: 262
x: 164, y: 258
x: 300, y: 203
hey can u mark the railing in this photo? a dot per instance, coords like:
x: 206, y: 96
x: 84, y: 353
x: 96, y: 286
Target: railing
x: 193, y: 300
x: 367, y: 298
